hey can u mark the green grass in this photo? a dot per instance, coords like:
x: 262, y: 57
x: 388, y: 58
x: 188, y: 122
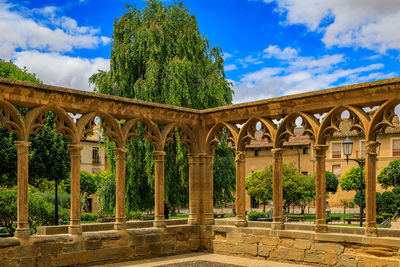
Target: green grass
x: 179, y: 216
x: 311, y: 217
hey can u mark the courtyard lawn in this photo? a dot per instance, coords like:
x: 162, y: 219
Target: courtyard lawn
x: 180, y: 216
x: 311, y: 217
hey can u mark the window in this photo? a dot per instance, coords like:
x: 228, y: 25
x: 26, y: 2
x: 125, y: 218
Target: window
x: 256, y: 153
x: 304, y: 173
x: 336, y: 169
x: 336, y: 150
x: 305, y: 150
x: 96, y: 170
x: 95, y: 155
x: 395, y: 147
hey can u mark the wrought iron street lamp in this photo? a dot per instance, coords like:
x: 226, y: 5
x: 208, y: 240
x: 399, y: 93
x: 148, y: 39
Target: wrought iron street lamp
x: 347, y: 151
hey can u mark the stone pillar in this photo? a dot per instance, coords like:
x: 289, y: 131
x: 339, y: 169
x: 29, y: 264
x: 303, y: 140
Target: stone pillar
x: 120, y: 218
x: 240, y: 189
x: 370, y: 188
x: 159, y: 218
x: 320, y: 188
x: 22, y: 230
x: 207, y: 202
x: 194, y: 189
x: 75, y: 227
x: 277, y: 189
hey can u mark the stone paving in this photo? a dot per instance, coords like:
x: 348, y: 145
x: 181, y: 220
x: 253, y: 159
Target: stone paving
x: 200, y: 260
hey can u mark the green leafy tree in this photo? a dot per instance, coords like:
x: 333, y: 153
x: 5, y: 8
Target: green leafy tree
x: 224, y: 174
x: 106, y: 192
x: 351, y: 179
x: 49, y: 158
x: 332, y: 182
x: 259, y: 185
x: 387, y: 180
x: 159, y: 55
x: 8, y: 152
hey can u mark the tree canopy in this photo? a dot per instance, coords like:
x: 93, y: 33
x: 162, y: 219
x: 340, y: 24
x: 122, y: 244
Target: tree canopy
x: 159, y: 55
x: 386, y: 179
x: 332, y: 182
x: 351, y: 179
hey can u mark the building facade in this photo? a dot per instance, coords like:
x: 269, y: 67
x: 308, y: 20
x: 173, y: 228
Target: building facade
x: 298, y: 150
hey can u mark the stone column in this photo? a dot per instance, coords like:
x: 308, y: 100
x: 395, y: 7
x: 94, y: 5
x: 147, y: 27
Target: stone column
x: 159, y: 218
x: 320, y: 188
x: 194, y: 189
x: 277, y: 188
x: 22, y: 230
x: 207, y: 202
x: 370, y: 188
x: 240, y: 189
x: 75, y: 227
x: 120, y: 218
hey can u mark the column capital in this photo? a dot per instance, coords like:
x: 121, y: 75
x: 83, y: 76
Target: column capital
x: 320, y: 150
x: 277, y: 150
x: 159, y: 154
x: 370, y: 147
x: 74, y: 147
x: 240, y: 156
x: 21, y: 144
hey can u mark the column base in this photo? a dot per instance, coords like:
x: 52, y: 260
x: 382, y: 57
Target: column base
x: 75, y: 229
x: 321, y: 228
x: 120, y: 226
x: 159, y: 223
x: 371, y: 231
x: 23, y: 233
x: 279, y: 225
x: 193, y: 221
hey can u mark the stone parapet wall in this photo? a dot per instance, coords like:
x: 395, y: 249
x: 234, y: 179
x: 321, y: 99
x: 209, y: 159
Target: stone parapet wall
x: 91, y: 227
x: 99, y: 247
x: 307, y: 247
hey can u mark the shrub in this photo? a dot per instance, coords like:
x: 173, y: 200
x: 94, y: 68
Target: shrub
x: 351, y: 204
x: 379, y: 219
x: 133, y: 215
x: 386, y: 215
x: 89, y: 217
x: 254, y: 215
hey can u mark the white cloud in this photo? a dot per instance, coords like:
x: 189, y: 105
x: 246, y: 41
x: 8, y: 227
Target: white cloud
x: 230, y: 67
x: 369, y: 24
x: 297, y: 74
x: 50, y: 33
x: 226, y: 55
x: 60, y: 70
x: 275, y: 51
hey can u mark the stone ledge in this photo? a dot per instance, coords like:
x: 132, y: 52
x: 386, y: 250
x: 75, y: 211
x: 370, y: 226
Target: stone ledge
x: 9, y: 242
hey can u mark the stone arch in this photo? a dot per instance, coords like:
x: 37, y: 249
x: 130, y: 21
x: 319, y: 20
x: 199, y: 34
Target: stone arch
x: 214, y: 135
x: 12, y: 120
x: 247, y: 132
x: 330, y: 124
x: 34, y: 120
x: 382, y: 118
x: 111, y: 128
x: 151, y: 132
x: 286, y: 127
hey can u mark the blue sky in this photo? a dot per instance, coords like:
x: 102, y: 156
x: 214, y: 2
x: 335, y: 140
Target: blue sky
x: 271, y: 47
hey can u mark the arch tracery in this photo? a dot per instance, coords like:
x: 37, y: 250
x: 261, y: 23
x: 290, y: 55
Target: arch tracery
x: 12, y: 120
x: 249, y: 129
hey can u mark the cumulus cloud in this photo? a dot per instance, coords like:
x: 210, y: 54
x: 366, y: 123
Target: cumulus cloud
x: 297, y: 74
x: 230, y: 67
x: 369, y: 24
x: 61, y: 70
x: 21, y: 30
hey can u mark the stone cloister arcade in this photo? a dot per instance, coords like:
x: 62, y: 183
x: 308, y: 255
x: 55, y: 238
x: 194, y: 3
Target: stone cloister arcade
x: 200, y: 131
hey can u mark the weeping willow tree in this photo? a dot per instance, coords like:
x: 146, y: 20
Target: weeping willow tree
x: 159, y: 55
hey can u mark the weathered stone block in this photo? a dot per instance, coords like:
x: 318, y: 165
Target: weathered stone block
x: 329, y: 247
x: 269, y: 241
x: 152, y: 238
x: 136, y: 240
x: 274, y: 253
x: 302, y: 243
x: 92, y: 244
x: 347, y: 261
x: 168, y: 248
x: 244, y: 248
x: 330, y: 258
x: 251, y: 239
x: 314, y: 257
x: 263, y: 250
x: 294, y: 254
x: 286, y: 242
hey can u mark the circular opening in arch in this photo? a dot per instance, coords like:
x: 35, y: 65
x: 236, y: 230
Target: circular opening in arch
x: 258, y: 126
x: 299, y: 121
x: 345, y: 114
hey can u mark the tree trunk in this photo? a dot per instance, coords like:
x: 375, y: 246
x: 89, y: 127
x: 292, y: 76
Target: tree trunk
x: 264, y: 206
x: 56, y: 203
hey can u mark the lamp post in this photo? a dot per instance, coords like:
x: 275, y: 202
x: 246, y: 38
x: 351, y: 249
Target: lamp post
x: 347, y: 151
